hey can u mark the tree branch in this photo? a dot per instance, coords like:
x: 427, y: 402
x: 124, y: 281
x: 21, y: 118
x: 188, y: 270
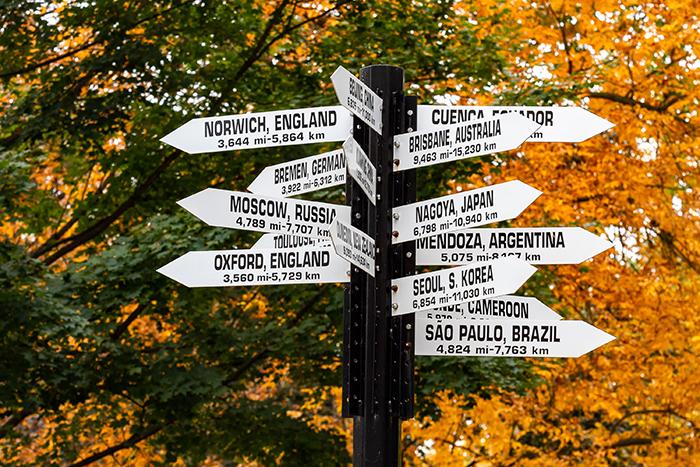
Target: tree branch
x: 13, y: 420
x: 662, y: 107
x: 70, y: 53
x: 101, y: 225
x: 266, y: 351
x: 672, y: 412
x: 124, y: 325
x: 562, y: 29
x: 630, y: 442
x: 132, y: 441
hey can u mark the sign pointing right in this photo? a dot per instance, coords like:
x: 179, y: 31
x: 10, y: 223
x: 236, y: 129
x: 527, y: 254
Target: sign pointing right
x: 503, y: 307
x: 463, y: 210
x: 461, y: 141
x: 536, y: 245
x: 559, y: 124
x: 457, y: 285
x: 502, y: 338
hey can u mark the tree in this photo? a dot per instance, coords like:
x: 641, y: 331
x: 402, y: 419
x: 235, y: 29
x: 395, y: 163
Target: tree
x: 635, y: 400
x: 103, y: 359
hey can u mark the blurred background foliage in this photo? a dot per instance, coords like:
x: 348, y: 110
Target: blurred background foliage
x: 102, y: 360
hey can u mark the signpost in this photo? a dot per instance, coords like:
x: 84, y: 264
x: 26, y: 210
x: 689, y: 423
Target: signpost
x: 503, y: 307
x: 536, y: 245
x: 390, y: 314
x: 305, y: 265
x: 457, y: 285
x: 558, y: 124
x: 301, y: 175
x: 472, y: 208
x: 360, y: 168
x: 461, y: 140
x: 378, y: 348
x: 238, y: 210
x: 504, y: 338
x: 261, y: 129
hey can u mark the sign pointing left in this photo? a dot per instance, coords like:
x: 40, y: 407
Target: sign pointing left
x: 301, y: 175
x: 358, y: 98
x: 278, y: 241
x: 307, y: 265
x: 237, y: 210
x: 262, y: 129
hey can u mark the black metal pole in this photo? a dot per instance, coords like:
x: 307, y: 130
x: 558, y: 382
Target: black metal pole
x: 378, y: 348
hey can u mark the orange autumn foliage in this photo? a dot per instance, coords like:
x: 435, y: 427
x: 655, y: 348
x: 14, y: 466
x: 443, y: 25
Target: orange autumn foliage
x: 637, y: 399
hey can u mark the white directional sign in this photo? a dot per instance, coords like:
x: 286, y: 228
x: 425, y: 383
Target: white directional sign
x: 278, y: 241
x: 361, y: 169
x: 536, y: 245
x: 358, y: 98
x: 237, y: 210
x: 301, y: 175
x: 307, y: 265
x: 457, y: 285
x: 462, y: 210
x: 353, y: 245
x: 504, y: 307
x: 262, y: 129
x: 504, y: 338
x: 461, y: 141
x: 559, y: 124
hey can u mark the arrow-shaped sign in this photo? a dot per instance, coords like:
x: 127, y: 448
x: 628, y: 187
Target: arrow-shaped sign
x: 361, y: 169
x: 504, y: 307
x: 461, y: 141
x: 457, y: 285
x: 284, y: 241
x: 559, y: 124
x: 463, y: 210
x: 262, y: 129
x: 358, y: 98
x: 301, y: 175
x: 353, y: 245
x: 536, y: 245
x: 307, y: 265
x: 237, y: 210
x: 503, y: 338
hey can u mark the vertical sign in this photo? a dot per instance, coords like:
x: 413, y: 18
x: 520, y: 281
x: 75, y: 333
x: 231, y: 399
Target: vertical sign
x: 358, y: 98
x: 361, y: 169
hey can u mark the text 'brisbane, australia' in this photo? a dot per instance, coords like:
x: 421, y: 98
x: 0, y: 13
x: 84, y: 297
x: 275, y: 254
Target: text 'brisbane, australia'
x: 455, y: 135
